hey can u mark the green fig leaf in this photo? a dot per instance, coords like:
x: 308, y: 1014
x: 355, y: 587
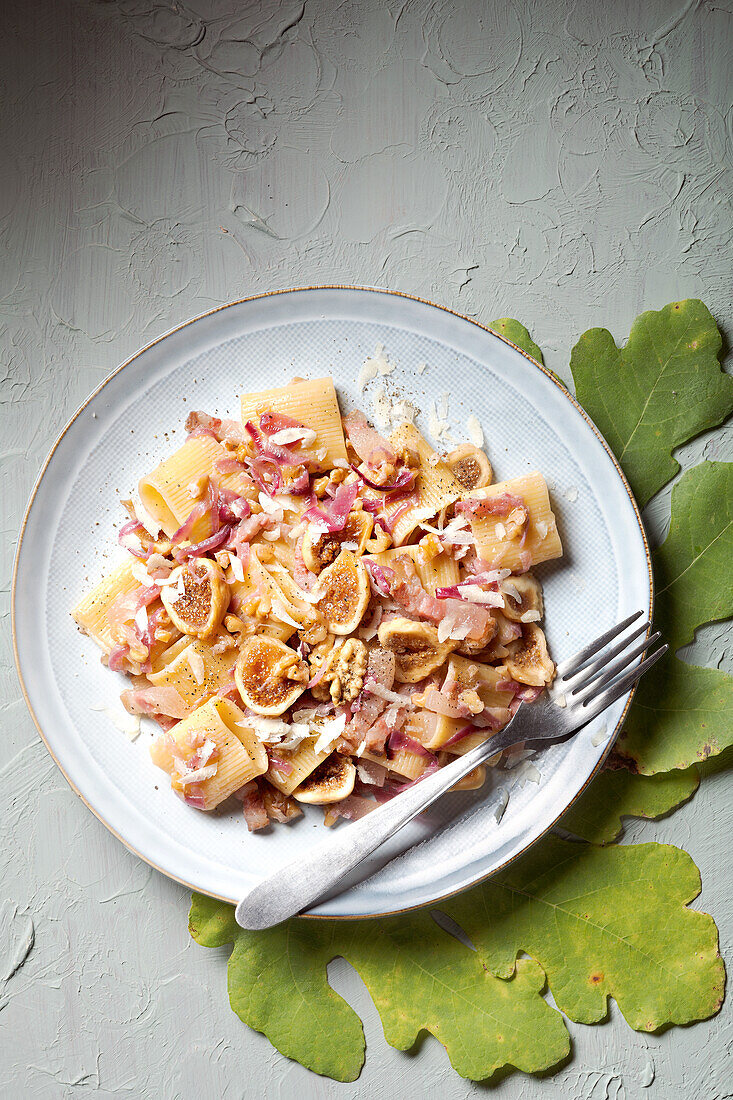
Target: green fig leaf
x: 617, y: 793
x: 682, y: 713
x: 661, y: 389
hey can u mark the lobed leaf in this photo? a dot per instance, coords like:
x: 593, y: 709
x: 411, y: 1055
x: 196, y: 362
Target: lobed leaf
x: 602, y: 922
x: 517, y: 334
x: 664, y: 387
x: 682, y: 713
x: 420, y: 978
x: 618, y: 793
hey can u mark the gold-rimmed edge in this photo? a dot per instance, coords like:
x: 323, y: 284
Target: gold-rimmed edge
x: 209, y: 313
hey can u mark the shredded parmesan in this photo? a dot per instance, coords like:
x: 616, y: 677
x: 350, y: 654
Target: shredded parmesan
x: 382, y: 407
x: 571, y: 494
x: 600, y: 735
x: 143, y: 515
x: 531, y: 616
x: 384, y: 693
x: 128, y: 724
x: 455, y: 633
x: 293, y: 435
x: 474, y: 593
x: 236, y: 567
x: 502, y: 803
x: 141, y: 575
x: 280, y: 613
x: 271, y: 506
x: 331, y: 731
x: 368, y: 371
x: 199, y: 775
x: 401, y: 411
x: 141, y: 619
x: 475, y: 431
x: 421, y: 367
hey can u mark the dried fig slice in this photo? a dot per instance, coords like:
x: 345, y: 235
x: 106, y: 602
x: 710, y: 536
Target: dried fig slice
x: 321, y: 548
x: 470, y: 466
x: 345, y: 591
x: 269, y: 675
x: 416, y: 648
x: 331, y: 781
x: 528, y: 661
x: 196, y: 596
x: 529, y: 590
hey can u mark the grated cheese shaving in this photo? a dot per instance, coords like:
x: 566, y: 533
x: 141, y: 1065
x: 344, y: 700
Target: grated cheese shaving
x: 382, y: 407
x: 502, y: 803
x: 531, y: 616
x: 280, y: 613
x: 475, y: 431
x: 128, y: 724
x: 571, y: 494
x: 141, y: 575
x: 599, y: 736
x: 331, y: 731
x: 293, y: 435
x: 368, y: 371
x: 151, y: 525
x: 236, y: 567
x: 421, y: 367
x: 141, y: 619
x: 199, y: 775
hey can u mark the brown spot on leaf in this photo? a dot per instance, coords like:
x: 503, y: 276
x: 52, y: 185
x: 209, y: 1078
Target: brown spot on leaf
x: 596, y: 978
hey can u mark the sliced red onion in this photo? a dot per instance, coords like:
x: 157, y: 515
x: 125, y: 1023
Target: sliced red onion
x: 398, y: 513
x: 399, y: 740
x: 381, y: 577
x: 133, y: 527
x: 213, y: 542
x: 466, y: 731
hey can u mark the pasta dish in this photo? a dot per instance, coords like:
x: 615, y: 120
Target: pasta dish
x: 313, y: 613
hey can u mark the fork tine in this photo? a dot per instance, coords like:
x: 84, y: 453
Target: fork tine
x: 598, y: 704
x: 581, y: 658
x: 609, y: 672
x: 602, y: 661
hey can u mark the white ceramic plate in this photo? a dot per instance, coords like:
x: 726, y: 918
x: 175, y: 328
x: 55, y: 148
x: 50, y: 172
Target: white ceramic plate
x: 137, y: 416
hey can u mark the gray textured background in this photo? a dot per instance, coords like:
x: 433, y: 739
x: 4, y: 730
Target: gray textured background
x: 563, y: 163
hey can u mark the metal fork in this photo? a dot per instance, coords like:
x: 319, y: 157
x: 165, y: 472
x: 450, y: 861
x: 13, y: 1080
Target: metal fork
x: 584, y: 686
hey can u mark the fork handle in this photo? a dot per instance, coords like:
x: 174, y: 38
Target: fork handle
x: 297, y: 885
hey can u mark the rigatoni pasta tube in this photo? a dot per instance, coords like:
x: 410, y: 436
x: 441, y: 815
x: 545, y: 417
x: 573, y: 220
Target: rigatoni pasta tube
x: 240, y: 756
x: 194, y: 669
x: 166, y: 492
x: 538, y: 542
x: 91, y: 614
x: 435, y: 485
x: 312, y: 403
x: 440, y: 571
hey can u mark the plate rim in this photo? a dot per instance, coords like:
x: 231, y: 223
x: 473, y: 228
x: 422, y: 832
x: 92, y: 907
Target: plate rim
x: 218, y: 309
